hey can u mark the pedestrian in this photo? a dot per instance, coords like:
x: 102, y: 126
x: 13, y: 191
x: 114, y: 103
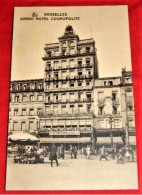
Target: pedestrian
x: 71, y: 151
x: 62, y: 155
x: 103, y: 153
x: 75, y: 152
x: 88, y: 152
x: 53, y: 155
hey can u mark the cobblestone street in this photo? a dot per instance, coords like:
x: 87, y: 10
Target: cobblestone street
x: 72, y: 174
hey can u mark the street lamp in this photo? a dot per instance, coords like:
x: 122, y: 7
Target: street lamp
x: 111, y: 136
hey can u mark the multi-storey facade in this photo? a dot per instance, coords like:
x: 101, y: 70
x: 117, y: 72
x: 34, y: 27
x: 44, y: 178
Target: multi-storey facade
x: 72, y: 104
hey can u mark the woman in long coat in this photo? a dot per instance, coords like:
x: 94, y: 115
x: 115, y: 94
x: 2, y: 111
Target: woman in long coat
x: 53, y: 155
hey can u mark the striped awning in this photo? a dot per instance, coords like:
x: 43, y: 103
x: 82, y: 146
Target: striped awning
x: 107, y: 140
x: 65, y: 140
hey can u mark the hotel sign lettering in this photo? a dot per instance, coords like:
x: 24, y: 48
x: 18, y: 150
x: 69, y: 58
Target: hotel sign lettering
x: 64, y: 133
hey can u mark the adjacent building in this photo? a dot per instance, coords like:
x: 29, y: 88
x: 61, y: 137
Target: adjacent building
x: 71, y: 104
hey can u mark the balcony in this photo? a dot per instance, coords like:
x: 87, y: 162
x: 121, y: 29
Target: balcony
x: 78, y: 77
x: 69, y: 101
x: 76, y: 66
x: 75, y: 88
x: 63, y: 114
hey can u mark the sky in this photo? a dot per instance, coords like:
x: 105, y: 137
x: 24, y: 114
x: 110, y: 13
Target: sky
x: 107, y: 25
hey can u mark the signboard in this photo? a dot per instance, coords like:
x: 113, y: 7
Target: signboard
x: 64, y: 133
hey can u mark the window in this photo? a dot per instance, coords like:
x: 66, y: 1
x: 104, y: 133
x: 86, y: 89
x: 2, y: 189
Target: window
x: 9, y: 111
x: 17, y: 87
x: 88, y: 107
x: 71, y: 84
x: 114, y: 96
x: 15, y: 126
x: 87, y: 83
x: 39, y: 110
x: 89, y: 73
x: 79, y: 83
x: 63, y: 106
x: 39, y: 97
x: 24, y: 111
x: 16, y: 111
x: 31, y: 111
x: 64, y: 44
x: 24, y: 98
x: 32, y: 86
x: 40, y: 86
x: 87, y: 49
x: 24, y: 87
x: 49, y: 53
x: 16, y: 98
x: 131, y: 123
x: 48, y: 98
x: 100, y: 111
x: 87, y: 62
x: 56, y: 97
x: 79, y: 73
x: 23, y: 126
x: 105, y: 83
x: 116, y: 123
x: 79, y: 96
x: 80, y: 105
x: 110, y: 83
x: 130, y: 107
x: 31, y: 126
x: 114, y: 110
x: 56, y: 74
x: 88, y: 96
x: 32, y: 98
x: 71, y: 106
x: 79, y: 62
x: 72, y: 43
x: 63, y: 52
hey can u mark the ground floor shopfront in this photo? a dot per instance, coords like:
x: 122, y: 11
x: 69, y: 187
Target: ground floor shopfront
x: 96, y: 138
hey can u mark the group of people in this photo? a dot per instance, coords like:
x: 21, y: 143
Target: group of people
x: 58, y: 152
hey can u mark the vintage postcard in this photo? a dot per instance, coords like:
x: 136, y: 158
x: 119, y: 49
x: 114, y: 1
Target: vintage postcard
x: 71, y: 110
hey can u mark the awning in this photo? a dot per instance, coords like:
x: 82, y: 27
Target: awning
x: 65, y: 140
x: 132, y: 140
x: 107, y: 140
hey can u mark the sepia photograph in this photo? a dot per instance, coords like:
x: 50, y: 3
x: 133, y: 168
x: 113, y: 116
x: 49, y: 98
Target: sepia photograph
x: 71, y: 119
